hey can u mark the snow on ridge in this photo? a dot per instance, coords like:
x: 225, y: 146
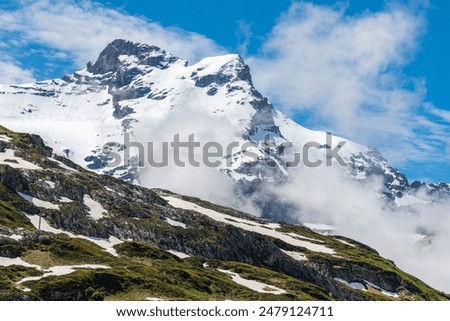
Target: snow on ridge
x: 252, y: 284
x: 212, y: 65
x: 264, y: 229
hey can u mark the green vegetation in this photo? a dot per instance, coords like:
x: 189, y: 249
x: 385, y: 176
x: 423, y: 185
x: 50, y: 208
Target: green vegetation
x: 61, y: 249
x: 143, y: 270
x: 10, y: 217
x: 142, y: 250
x: 9, y: 276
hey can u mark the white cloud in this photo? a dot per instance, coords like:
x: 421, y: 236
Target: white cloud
x: 358, y: 212
x: 347, y: 71
x: 82, y: 29
x: 243, y: 35
x: 444, y: 115
x: 13, y: 73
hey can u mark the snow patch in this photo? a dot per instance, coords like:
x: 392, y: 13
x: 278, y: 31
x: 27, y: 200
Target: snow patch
x: 353, y: 285
x: 96, y: 210
x: 181, y: 255
x: 253, y: 285
x: 5, y: 138
x: 106, y: 244
x: 8, y: 158
x: 15, y: 237
x: 62, y: 270
x: 346, y: 243
x: 175, y: 223
x: 64, y: 199
x: 363, y: 287
x: 62, y: 165
x: 296, y: 255
x: 51, y: 184
x: 6, y: 261
x: 38, y: 202
x: 383, y: 291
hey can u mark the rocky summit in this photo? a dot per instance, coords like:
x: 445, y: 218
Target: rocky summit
x: 67, y: 233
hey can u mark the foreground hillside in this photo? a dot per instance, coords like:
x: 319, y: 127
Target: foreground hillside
x: 70, y: 234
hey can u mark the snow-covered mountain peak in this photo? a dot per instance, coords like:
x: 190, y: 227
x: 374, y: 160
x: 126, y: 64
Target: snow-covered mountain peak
x: 135, y: 88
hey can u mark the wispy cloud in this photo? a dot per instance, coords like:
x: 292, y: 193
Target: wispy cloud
x: 243, y: 35
x: 12, y: 73
x: 79, y: 30
x: 347, y: 71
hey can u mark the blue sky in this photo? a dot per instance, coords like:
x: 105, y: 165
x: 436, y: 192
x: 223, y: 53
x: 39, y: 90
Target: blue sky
x: 372, y: 71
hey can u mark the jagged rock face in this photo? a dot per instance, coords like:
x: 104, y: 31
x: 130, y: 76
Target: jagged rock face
x: 132, y: 85
x: 76, y: 209
x: 373, y: 164
x: 109, y: 59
